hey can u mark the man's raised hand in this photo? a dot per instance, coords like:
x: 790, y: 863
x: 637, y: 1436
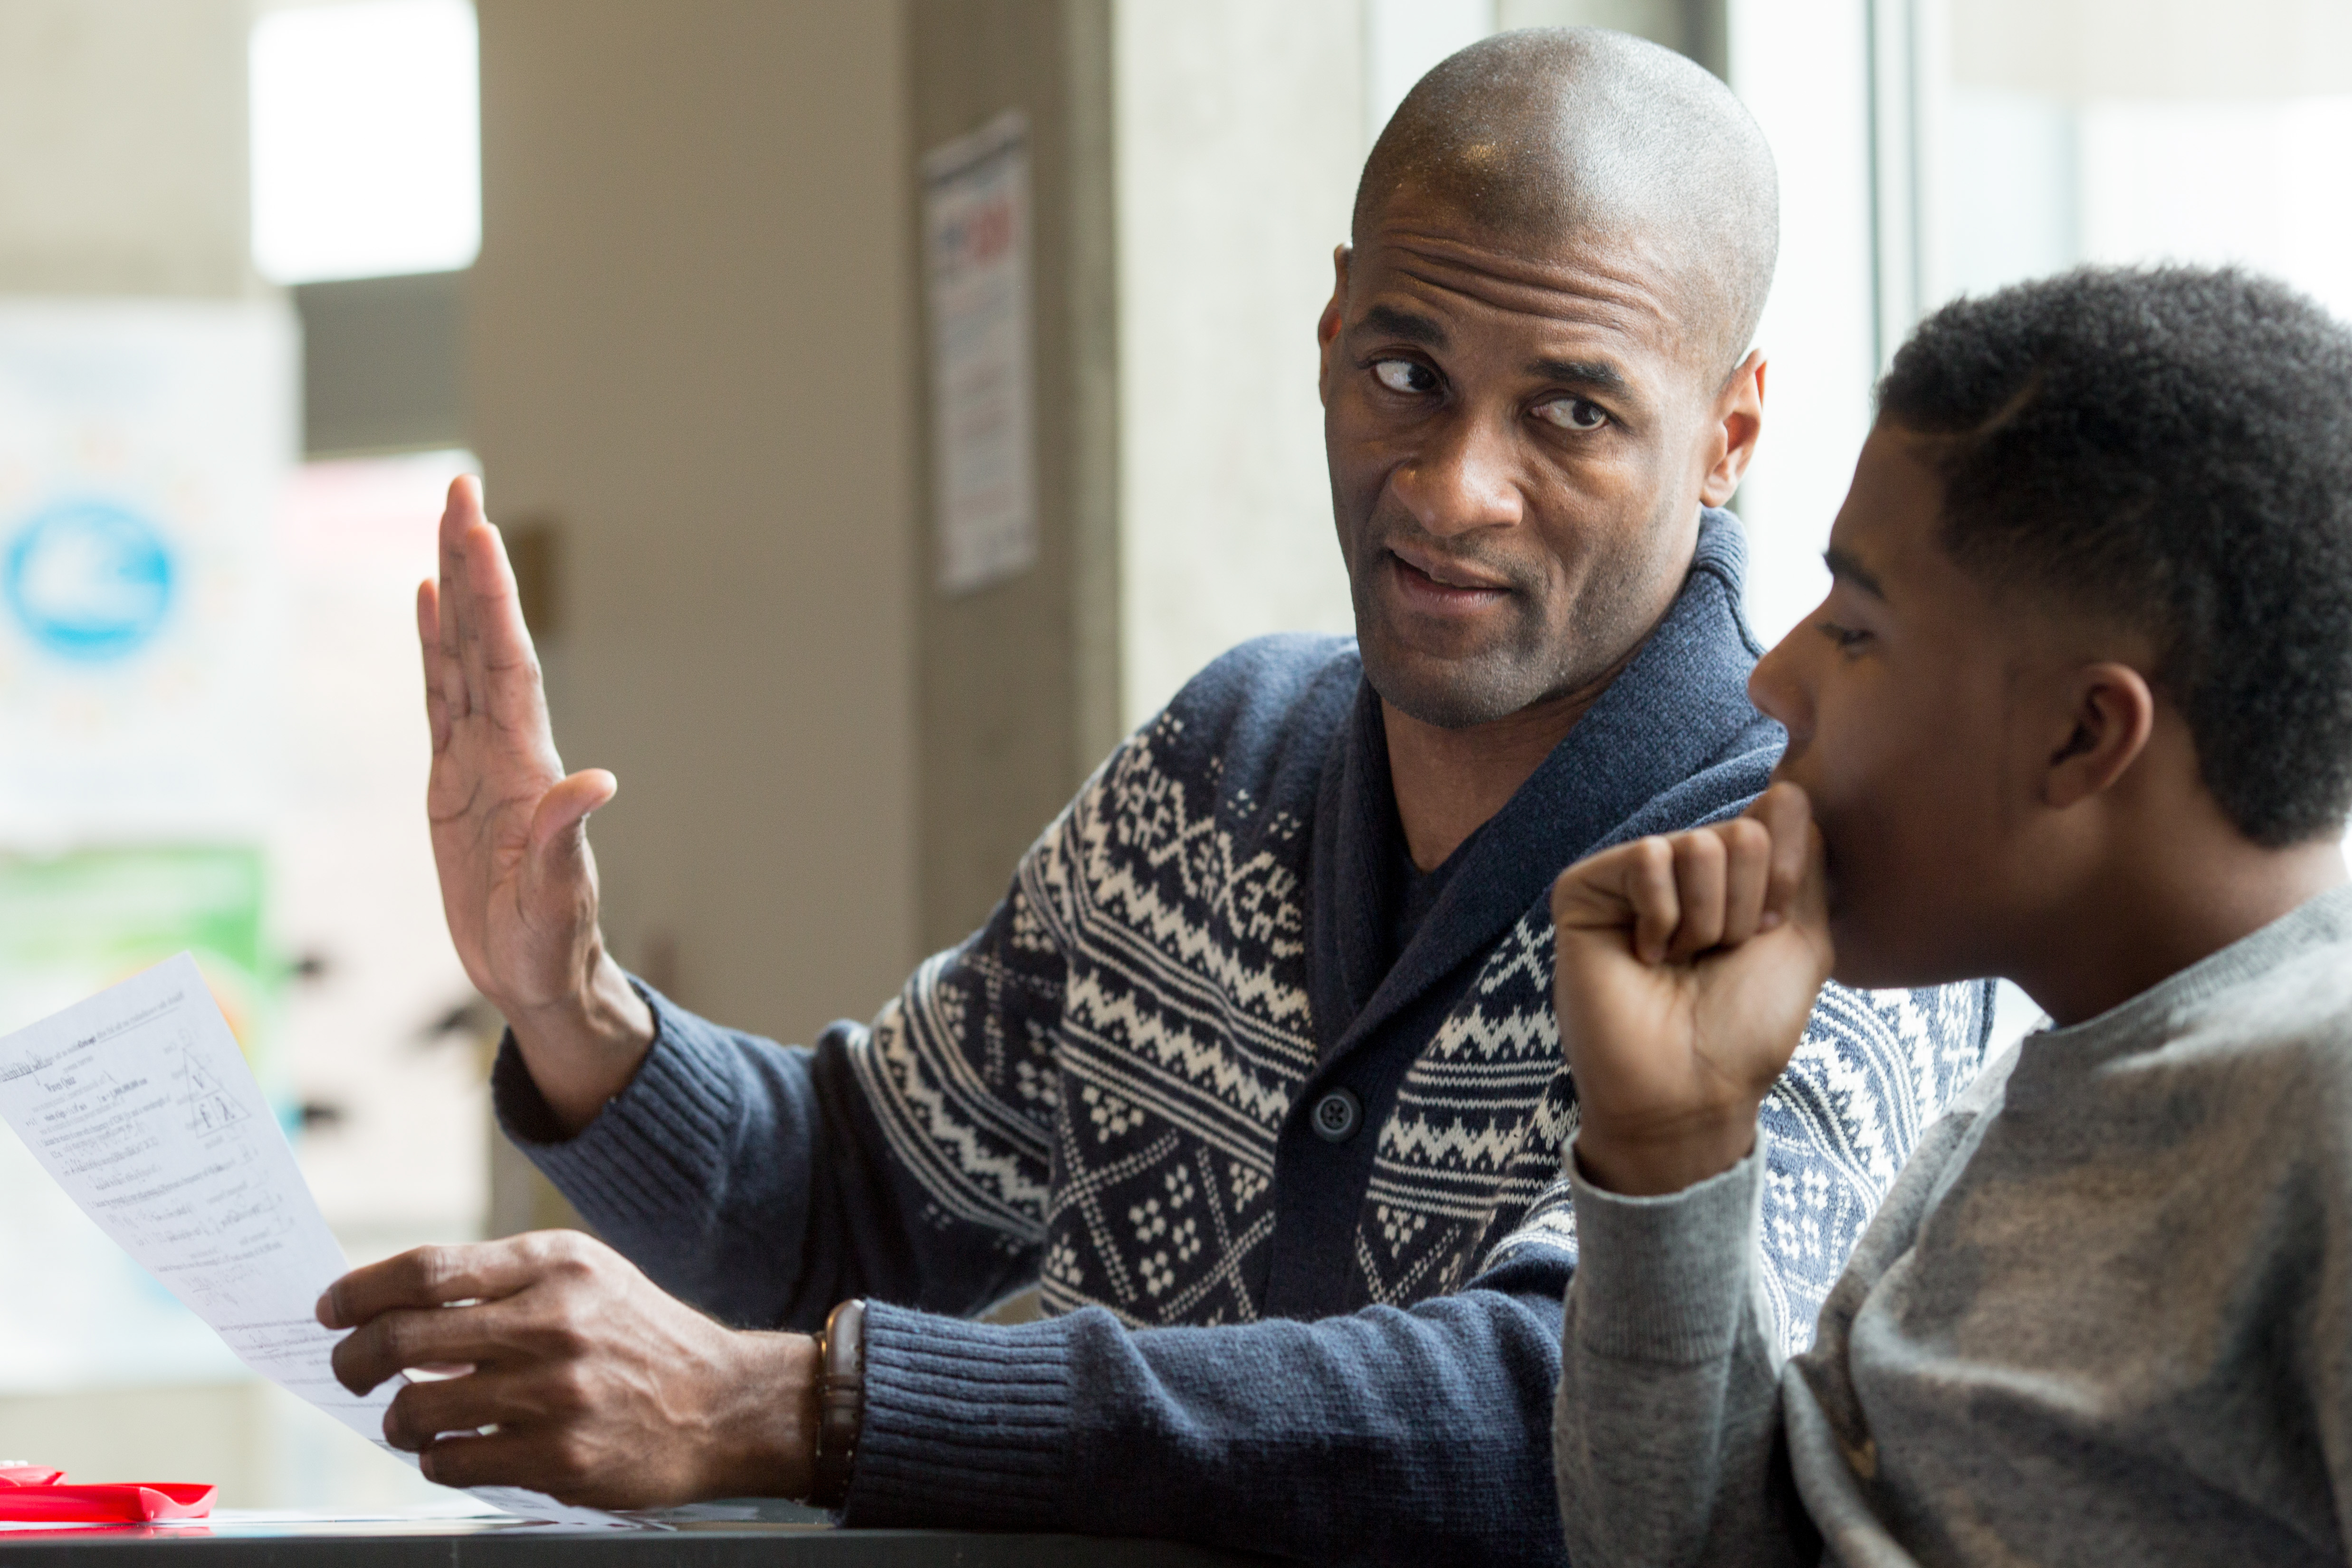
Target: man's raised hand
x: 1688, y: 967
x: 509, y: 835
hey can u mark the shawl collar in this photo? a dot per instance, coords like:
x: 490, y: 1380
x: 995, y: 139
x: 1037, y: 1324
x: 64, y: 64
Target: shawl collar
x: 1678, y: 710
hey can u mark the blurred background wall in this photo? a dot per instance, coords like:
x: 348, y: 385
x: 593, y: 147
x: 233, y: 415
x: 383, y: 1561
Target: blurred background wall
x: 689, y: 369
x: 888, y: 404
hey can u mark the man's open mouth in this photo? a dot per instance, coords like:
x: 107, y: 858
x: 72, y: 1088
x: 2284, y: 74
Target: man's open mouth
x: 1440, y: 584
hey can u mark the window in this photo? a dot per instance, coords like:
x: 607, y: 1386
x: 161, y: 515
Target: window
x: 366, y: 140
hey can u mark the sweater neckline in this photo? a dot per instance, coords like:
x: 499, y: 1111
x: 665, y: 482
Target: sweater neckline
x: 2158, y: 1013
x: 1677, y: 709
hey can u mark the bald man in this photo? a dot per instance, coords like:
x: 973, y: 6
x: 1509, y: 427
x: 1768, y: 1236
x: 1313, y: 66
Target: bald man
x: 1254, y: 1069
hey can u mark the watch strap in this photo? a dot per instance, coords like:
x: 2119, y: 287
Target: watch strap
x: 840, y: 1401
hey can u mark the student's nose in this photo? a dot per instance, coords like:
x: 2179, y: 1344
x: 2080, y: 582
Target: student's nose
x: 1466, y: 477
x: 1778, y: 686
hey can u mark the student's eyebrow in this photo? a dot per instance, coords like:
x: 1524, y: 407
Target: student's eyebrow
x: 1843, y: 566
x: 1389, y: 322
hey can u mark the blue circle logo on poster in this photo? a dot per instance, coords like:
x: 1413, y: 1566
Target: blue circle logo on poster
x: 88, y: 580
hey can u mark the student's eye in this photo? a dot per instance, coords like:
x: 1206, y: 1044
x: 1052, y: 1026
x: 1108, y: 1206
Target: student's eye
x: 1405, y: 375
x: 1847, y: 639
x: 1573, y: 414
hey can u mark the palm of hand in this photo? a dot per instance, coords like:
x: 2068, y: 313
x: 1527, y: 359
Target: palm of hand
x: 481, y: 797
x: 518, y: 883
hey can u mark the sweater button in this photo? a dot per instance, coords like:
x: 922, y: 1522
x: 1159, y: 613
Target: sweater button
x: 1336, y: 1116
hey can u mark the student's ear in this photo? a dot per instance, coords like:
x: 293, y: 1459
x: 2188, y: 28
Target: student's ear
x: 1739, y: 421
x: 2112, y: 711
x: 1327, y: 330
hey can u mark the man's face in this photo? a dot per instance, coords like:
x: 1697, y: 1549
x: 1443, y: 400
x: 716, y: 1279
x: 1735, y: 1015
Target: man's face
x: 1520, y: 439
x: 1903, y: 696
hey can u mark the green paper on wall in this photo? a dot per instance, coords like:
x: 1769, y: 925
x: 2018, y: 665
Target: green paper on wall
x: 74, y: 923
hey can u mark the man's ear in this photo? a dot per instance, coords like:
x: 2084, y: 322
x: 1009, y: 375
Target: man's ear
x: 1327, y: 330
x: 2113, y: 712
x: 1739, y: 421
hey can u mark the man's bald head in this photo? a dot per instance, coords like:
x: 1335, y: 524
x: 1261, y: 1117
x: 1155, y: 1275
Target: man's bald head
x: 1577, y: 135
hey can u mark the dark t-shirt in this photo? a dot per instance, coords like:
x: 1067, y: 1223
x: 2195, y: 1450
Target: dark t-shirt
x: 1415, y: 892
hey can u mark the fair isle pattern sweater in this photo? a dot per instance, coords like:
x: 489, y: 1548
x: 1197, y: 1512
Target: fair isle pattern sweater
x: 1260, y: 1336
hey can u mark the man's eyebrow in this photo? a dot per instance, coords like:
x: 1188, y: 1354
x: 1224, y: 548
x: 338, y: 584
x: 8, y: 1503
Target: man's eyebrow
x: 1600, y: 375
x: 1844, y: 567
x: 1389, y: 322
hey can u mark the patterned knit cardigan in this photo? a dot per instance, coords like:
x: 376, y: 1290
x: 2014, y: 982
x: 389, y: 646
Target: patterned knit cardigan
x: 1259, y: 1335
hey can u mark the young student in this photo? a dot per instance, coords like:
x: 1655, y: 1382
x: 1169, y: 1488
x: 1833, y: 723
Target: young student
x: 2078, y: 711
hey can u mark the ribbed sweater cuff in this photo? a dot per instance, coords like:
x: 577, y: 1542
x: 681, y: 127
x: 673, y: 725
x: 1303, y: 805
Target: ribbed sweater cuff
x: 1666, y: 1279
x: 656, y: 1150
x: 967, y: 1425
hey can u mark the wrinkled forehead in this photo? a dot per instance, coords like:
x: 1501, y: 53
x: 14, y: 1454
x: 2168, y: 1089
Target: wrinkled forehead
x: 1622, y: 281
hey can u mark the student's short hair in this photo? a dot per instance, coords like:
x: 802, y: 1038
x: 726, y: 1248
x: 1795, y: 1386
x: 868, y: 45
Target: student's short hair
x: 2172, y: 447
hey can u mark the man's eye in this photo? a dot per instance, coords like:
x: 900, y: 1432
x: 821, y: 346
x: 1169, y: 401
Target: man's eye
x: 1405, y: 375
x: 1573, y: 414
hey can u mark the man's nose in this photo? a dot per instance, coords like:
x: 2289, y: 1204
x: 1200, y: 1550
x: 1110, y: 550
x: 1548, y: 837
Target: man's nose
x: 1464, y: 477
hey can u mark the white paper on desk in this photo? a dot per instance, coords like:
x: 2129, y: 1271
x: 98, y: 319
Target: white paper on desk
x: 140, y: 1103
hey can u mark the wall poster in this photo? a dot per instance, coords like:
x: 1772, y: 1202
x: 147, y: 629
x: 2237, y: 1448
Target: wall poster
x: 976, y: 253
x: 142, y: 449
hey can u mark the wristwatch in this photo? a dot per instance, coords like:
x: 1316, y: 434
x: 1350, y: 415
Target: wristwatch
x: 840, y: 1401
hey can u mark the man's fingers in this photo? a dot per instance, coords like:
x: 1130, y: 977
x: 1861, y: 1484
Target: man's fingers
x: 428, y: 643
x: 490, y: 1397
x: 481, y: 615
x: 498, y: 646
x: 459, y: 517
x: 437, y: 1275
x: 1699, y: 883
x: 464, y: 677
x: 391, y: 1342
x: 526, y: 1456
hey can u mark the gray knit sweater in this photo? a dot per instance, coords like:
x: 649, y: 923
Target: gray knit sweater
x: 2103, y: 1316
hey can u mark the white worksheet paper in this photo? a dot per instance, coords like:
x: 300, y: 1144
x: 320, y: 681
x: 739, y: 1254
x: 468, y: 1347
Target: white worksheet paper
x: 141, y: 1105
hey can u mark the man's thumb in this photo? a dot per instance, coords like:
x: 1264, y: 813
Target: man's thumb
x: 556, y: 827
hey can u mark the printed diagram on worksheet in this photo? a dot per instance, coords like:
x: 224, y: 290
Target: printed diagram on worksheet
x: 211, y: 1108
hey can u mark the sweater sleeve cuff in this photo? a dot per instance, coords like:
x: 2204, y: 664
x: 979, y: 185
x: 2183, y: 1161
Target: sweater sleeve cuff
x: 967, y: 1425
x: 1666, y: 1279
x: 658, y: 1149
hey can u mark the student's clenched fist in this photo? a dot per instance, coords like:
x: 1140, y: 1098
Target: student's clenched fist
x: 1686, y: 968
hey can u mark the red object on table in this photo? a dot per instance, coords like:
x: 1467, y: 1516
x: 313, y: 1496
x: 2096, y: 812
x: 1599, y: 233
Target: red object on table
x: 36, y: 1492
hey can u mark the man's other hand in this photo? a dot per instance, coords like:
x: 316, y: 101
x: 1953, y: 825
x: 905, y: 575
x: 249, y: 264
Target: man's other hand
x: 1688, y: 967
x: 581, y: 1378
x: 509, y: 830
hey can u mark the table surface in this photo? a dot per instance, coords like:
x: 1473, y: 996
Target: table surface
x: 707, y: 1536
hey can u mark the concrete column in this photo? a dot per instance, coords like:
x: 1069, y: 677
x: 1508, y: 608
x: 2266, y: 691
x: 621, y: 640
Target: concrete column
x: 1241, y: 134
x: 1019, y: 686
